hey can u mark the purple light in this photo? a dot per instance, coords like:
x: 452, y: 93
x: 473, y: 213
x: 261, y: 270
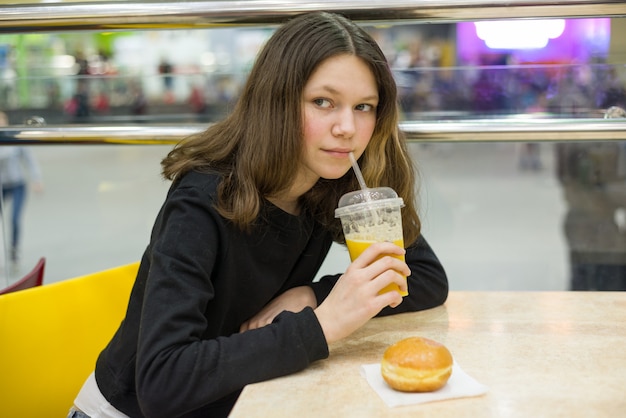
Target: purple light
x: 581, y: 40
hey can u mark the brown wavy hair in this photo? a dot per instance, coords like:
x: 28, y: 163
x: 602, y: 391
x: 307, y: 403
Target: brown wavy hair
x: 258, y: 147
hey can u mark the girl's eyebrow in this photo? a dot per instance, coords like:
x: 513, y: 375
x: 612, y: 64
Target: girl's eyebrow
x: 332, y: 90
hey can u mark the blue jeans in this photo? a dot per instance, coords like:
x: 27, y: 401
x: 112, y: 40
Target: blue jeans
x: 17, y: 194
x: 75, y: 413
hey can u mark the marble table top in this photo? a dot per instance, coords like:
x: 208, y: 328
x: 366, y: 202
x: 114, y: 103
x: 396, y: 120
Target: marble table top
x: 541, y: 354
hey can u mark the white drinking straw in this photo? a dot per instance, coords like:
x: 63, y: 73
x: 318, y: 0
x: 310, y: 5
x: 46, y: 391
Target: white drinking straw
x: 359, y: 176
x: 357, y: 171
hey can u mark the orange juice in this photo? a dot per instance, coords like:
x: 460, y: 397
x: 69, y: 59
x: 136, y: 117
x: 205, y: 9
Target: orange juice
x: 356, y: 247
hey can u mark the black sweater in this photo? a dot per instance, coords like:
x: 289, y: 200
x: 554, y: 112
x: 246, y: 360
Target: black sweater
x: 178, y: 352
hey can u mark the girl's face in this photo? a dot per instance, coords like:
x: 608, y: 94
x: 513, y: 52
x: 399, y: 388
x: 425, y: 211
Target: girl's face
x: 339, y: 111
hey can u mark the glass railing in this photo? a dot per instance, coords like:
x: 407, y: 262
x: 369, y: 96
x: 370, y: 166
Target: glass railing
x: 523, y: 177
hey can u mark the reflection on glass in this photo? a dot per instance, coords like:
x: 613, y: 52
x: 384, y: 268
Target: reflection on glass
x: 593, y: 176
x: 443, y: 71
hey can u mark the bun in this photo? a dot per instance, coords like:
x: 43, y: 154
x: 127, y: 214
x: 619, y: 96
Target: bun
x: 416, y: 364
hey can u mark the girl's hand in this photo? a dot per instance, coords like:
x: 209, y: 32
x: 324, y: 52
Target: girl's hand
x: 293, y: 300
x: 355, y: 300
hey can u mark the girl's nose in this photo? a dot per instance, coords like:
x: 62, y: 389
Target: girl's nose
x: 345, y: 125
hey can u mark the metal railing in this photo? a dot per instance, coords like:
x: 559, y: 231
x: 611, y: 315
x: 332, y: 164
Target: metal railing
x: 133, y: 15
x: 129, y: 15
x: 488, y: 130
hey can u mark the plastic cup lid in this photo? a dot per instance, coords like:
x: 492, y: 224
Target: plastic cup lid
x: 358, y: 200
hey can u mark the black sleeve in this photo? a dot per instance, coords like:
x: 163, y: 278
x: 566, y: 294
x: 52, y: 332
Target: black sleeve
x: 177, y: 369
x: 428, y: 282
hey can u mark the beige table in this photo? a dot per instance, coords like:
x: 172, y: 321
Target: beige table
x: 542, y: 354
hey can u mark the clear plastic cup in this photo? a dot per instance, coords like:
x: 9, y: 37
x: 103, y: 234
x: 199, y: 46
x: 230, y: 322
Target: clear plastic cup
x: 368, y: 216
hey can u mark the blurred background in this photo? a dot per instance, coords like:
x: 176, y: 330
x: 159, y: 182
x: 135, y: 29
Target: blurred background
x: 501, y: 215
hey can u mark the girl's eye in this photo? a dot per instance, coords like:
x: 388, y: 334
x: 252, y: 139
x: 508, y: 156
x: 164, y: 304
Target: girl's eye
x: 364, y: 107
x: 325, y: 103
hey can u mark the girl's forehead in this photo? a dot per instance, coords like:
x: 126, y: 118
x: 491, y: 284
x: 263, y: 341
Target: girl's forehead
x: 338, y: 65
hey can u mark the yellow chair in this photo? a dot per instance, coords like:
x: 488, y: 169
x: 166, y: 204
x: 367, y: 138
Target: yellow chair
x: 51, y: 335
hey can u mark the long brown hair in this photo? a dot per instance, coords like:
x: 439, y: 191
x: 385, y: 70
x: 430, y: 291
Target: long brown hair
x: 257, y: 147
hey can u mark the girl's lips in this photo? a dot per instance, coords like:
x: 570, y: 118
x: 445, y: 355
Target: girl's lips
x: 341, y: 153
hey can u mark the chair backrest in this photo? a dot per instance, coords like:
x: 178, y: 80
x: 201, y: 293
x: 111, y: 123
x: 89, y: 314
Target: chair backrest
x: 50, y: 337
x: 32, y: 279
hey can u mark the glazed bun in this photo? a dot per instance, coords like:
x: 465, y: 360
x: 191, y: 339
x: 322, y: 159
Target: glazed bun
x: 416, y: 364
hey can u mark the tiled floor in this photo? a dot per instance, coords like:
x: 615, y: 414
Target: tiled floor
x: 494, y: 226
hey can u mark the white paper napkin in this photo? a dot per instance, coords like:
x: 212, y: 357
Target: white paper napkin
x: 460, y: 385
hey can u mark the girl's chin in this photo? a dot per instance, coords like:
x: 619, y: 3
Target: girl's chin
x: 333, y: 176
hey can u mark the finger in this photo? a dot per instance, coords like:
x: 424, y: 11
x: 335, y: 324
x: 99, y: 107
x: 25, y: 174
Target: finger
x: 396, y: 300
x: 389, y: 277
x: 253, y: 323
x: 378, y: 250
x: 250, y: 326
x: 261, y: 322
x: 386, y: 263
x: 244, y: 327
x: 392, y: 299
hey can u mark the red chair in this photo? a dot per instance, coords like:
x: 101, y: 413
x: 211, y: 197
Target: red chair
x: 32, y: 279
